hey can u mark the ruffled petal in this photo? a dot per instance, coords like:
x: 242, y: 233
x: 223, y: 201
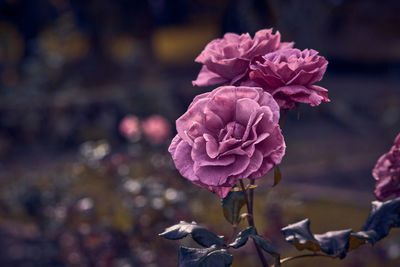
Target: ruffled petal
x: 180, y: 151
x: 218, y: 175
x: 206, y: 78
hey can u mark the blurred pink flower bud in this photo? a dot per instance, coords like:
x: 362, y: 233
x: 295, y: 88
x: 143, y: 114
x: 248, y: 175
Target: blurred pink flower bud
x: 129, y: 127
x: 157, y: 129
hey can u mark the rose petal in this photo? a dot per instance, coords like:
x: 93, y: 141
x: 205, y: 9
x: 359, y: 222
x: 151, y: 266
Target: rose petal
x: 218, y: 175
x: 206, y: 78
x: 255, y: 163
x: 245, y: 108
x: 180, y: 151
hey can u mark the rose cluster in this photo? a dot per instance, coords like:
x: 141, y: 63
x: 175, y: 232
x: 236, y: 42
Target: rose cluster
x: 286, y: 73
x: 233, y: 132
x: 387, y: 172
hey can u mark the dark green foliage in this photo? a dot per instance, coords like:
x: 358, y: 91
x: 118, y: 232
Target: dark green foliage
x: 242, y: 237
x: 214, y: 254
x: 335, y: 242
x: 383, y: 216
x: 199, y: 234
x: 207, y: 257
x: 300, y: 236
x: 232, y: 205
x: 265, y: 245
x: 251, y: 232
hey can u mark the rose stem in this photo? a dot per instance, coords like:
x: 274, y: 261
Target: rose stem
x: 251, y: 222
x: 234, y: 232
x: 252, y: 182
x: 305, y: 256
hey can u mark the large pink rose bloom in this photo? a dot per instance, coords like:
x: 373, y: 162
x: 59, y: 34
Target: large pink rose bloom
x: 226, y: 60
x: 228, y: 134
x: 387, y: 172
x: 289, y: 75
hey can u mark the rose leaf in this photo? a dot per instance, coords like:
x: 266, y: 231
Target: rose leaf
x: 335, y: 243
x: 300, y: 236
x: 197, y: 257
x: 232, y: 204
x: 199, y: 234
x: 358, y: 239
x: 242, y: 237
x: 251, y: 232
x: 382, y: 217
x: 265, y: 245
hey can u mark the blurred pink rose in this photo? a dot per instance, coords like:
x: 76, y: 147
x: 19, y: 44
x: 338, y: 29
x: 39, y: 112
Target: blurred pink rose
x: 228, y: 134
x: 226, y: 60
x: 129, y: 127
x: 157, y: 129
x: 289, y: 75
x: 387, y: 172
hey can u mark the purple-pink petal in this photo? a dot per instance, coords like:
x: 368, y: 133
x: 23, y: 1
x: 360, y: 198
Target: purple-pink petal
x: 207, y: 78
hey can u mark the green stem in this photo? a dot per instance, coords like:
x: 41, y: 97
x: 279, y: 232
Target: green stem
x: 250, y: 220
x: 306, y: 256
x: 234, y: 233
x: 252, y: 182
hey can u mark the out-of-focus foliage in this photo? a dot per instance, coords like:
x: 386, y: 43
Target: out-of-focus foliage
x: 102, y: 209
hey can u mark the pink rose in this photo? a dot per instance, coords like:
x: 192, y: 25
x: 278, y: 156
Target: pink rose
x: 129, y: 127
x: 387, y: 172
x: 228, y: 134
x: 289, y: 75
x: 157, y: 129
x: 227, y: 60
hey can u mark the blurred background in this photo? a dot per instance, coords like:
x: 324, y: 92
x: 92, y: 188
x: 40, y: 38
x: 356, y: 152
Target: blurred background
x: 90, y: 90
